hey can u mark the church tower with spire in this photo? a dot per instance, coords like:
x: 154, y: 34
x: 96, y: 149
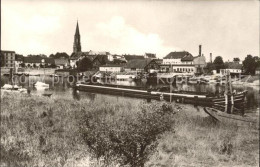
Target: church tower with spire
x: 76, y: 44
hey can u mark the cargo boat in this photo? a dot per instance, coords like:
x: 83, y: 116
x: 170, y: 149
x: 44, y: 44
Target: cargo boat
x: 196, y: 98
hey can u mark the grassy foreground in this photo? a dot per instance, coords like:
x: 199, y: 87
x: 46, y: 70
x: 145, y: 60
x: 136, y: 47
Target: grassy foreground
x: 39, y: 131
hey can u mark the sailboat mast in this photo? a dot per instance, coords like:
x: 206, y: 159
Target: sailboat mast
x: 43, y: 62
x: 228, y: 89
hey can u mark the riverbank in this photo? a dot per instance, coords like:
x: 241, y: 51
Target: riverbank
x: 45, y: 132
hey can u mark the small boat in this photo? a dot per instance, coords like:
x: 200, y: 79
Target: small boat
x: 144, y: 80
x: 13, y: 88
x: 182, y: 79
x: 207, y: 77
x: 10, y: 87
x: 47, y: 94
x: 41, y: 84
x: 22, y: 90
x: 34, y: 74
x: 18, y: 74
x: 55, y: 75
x: 214, y: 81
x: 127, y: 77
x: 223, y: 117
x: 193, y: 80
x: 222, y: 81
x: 203, y: 81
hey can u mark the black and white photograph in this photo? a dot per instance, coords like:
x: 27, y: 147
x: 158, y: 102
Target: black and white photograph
x: 130, y: 83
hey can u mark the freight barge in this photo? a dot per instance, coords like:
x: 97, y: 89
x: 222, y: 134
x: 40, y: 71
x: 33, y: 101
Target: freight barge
x: 196, y: 98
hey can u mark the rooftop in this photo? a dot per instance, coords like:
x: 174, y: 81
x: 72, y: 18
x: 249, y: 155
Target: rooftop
x: 131, y: 57
x: 233, y: 65
x: 75, y: 56
x: 111, y: 65
x: 7, y: 51
x: 36, y: 59
x: 159, y: 61
x: 103, y: 59
x: 186, y: 56
x: 91, y: 52
x: 137, y: 63
x: 150, y: 55
x: 61, y: 61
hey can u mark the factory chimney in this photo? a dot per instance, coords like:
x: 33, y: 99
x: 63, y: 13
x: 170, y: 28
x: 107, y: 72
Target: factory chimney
x: 199, y: 50
x: 210, y: 55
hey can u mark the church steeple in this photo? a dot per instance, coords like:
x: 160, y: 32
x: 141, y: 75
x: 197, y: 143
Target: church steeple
x: 76, y: 44
x: 77, y: 29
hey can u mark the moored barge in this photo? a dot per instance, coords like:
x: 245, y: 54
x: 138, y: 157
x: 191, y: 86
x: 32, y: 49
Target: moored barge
x: 196, y: 98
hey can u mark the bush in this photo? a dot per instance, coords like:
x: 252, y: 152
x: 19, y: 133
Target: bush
x: 38, y: 131
x: 115, y: 134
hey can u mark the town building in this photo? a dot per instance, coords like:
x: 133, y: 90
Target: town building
x: 137, y: 65
x: 199, y: 63
x: 18, y: 60
x: 99, y: 60
x: 7, y: 59
x: 150, y: 56
x: 165, y: 68
x: 233, y: 67
x: 115, y: 68
x: 37, y: 62
x: 2, y: 59
x: 178, y: 58
x: 119, y: 59
x: 132, y: 57
x: 257, y: 71
x: 61, y: 63
x: 179, y: 62
x: 183, y: 62
x: 75, y: 57
x: 153, y: 65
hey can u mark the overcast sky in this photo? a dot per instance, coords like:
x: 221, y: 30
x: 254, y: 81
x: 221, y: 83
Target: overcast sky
x: 226, y: 28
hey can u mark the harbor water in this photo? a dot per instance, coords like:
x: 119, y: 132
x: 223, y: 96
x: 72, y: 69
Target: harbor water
x: 63, y: 87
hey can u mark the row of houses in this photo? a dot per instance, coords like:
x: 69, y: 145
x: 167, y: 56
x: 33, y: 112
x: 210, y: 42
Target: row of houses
x: 179, y: 62
x: 182, y: 61
x: 186, y: 64
x: 104, y: 61
x: 10, y: 60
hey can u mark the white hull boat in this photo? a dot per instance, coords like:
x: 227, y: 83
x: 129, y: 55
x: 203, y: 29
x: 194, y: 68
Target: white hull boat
x: 213, y: 81
x: 13, y: 88
x: 41, y: 85
x: 193, y: 81
x: 125, y: 77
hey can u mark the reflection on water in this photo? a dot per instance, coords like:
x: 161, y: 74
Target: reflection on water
x: 63, y: 87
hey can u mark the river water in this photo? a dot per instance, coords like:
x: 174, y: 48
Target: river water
x: 63, y: 87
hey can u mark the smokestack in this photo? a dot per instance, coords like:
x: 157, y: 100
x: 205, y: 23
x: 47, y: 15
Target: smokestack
x: 199, y: 50
x: 210, y: 55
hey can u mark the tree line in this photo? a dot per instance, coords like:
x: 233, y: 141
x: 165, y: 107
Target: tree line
x: 54, y: 56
